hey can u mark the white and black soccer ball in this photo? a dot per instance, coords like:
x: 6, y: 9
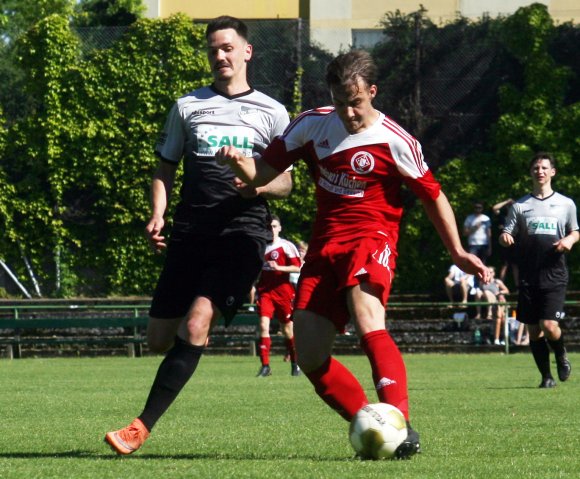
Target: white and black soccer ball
x: 376, y: 431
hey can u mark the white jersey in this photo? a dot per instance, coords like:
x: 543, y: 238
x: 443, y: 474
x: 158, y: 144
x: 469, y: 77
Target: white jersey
x: 198, y: 125
x: 536, y: 224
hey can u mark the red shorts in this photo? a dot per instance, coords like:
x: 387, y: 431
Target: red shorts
x: 328, y: 271
x: 276, y: 303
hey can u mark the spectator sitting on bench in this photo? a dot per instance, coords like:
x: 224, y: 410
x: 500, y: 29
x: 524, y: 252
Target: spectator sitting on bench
x: 456, y: 284
x: 494, y: 292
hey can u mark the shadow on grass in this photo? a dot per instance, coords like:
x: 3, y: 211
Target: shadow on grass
x: 185, y: 457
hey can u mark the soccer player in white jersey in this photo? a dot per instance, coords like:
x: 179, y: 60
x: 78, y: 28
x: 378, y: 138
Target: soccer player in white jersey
x: 221, y: 225
x: 359, y: 159
x: 276, y: 297
x: 543, y: 227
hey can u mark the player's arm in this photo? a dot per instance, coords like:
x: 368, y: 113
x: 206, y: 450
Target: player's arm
x: 255, y: 173
x: 289, y: 268
x: 161, y: 187
x: 279, y: 187
x: 507, y: 238
x: 498, y: 206
x: 441, y: 215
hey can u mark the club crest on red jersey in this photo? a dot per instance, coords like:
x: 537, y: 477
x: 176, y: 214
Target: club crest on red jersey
x: 362, y: 162
x: 274, y: 254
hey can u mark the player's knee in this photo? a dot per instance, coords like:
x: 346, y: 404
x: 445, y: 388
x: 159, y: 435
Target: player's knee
x: 551, y: 329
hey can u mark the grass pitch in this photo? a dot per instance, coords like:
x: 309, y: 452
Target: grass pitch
x: 479, y: 416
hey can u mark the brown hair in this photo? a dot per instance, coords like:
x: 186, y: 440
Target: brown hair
x: 346, y: 69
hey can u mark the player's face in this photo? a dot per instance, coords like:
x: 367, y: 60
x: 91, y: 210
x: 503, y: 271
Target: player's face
x: 353, y: 105
x: 276, y: 227
x: 542, y: 172
x: 228, y: 53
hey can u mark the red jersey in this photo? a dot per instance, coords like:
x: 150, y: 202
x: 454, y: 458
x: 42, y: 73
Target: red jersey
x: 358, y: 177
x: 284, y: 253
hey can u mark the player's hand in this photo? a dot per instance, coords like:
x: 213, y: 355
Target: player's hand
x: 505, y: 239
x: 245, y: 190
x: 153, y: 234
x: 564, y: 245
x: 273, y: 265
x: 227, y: 155
x: 471, y: 264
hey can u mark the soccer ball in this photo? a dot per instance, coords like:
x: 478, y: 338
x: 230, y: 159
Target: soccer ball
x: 376, y: 431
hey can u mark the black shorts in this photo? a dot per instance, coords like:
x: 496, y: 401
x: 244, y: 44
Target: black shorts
x: 535, y: 304
x: 222, y: 269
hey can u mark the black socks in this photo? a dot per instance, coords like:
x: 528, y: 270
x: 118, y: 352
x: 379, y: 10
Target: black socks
x: 541, y: 355
x: 174, y: 371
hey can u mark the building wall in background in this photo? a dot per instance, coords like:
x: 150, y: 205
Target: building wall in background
x: 338, y: 24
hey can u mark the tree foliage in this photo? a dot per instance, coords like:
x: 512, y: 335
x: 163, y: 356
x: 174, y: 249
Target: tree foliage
x: 532, y: 116
x: 98, y: 13
x: 84, y: 159
x: 76, y: 155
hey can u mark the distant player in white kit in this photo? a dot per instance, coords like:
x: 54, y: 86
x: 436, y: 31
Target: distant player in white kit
x: 543, y: 226
x: 276, y: 297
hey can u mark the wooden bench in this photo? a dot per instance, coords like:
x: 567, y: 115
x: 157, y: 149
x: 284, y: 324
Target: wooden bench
x: 54, y: 327
x: 91, y: 330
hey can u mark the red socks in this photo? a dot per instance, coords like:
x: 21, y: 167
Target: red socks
x: 264, y: 345
x: 389, y: 373
x: 338, y: 388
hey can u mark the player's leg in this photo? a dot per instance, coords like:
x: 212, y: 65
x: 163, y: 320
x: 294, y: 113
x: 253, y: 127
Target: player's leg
x: 388, y: 367
x: 214, y: 279
x: 287, y: 327
x: 173, y: 373
x: 284, y: 306
x: 332, y: 381
x: 553, y: 311
x: 161, y: 333
x: 555, y: 339
x: 264, y: 344
x: 171, y: 301
x: 541, y: 355
x: 530, y: 309
x: 319, y: 313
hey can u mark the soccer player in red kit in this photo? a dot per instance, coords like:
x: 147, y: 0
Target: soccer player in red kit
x: 276, y: 297
x: 359, y: 159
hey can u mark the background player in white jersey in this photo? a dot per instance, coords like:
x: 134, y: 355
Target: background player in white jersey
x: 543, y: 225
x: 221, y: 226
x: 359, y: 159
x: 276, y: 297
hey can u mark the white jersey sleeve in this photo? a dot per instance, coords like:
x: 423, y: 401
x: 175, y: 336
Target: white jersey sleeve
x: 173, y: 138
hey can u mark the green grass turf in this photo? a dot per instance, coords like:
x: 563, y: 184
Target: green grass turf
x: 480, y: 416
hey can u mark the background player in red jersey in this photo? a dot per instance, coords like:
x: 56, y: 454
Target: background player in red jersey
x: 359, y: 159
x: 276, y: 297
